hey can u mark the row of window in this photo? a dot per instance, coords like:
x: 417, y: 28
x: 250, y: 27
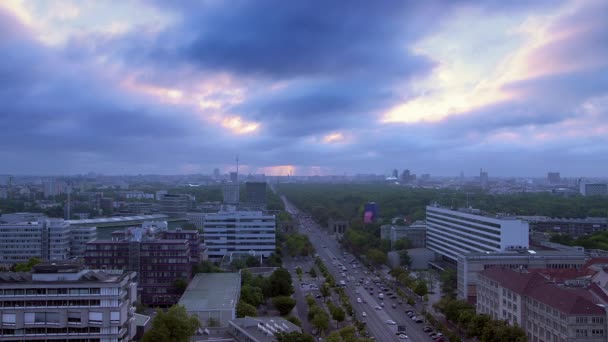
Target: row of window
x: 485, y: 223
x: 49, y: 303
x: 463, y: 233
x: 493, y: 234
x: 49, y: 292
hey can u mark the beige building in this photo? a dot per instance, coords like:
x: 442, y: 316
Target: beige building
x: 470, y: 264
x: 546, y: 311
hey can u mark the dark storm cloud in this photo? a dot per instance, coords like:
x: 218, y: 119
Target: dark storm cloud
x: 282, y: 39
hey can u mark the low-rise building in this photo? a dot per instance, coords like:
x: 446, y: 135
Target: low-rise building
x: 260, y: 329
x: 415, y: 233
x: 471, y: 264
x: 336, y: 226
x: 213, y: 297
x: 66, y: 302
x: 574, y: 227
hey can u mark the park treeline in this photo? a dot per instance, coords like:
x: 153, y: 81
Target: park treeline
x: 346, y: 201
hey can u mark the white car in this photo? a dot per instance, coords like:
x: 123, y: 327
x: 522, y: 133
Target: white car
x: 359, y: 300
x: 403, y: 336
x: 378, y: 307
x: 363, y: 314
x: 391, y: 322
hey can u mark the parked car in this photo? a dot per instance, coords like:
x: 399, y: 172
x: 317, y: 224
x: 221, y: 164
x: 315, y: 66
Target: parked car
x: 391, y: 322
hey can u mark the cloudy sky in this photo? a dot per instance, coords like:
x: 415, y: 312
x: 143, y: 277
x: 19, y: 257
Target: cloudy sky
x: 304, y: 87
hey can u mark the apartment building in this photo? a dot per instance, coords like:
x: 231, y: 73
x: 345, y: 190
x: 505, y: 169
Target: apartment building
x: 546, y: 311
x: 67, y: 302
x: 231, y: 231
x: 159, y: 258
x: 469, y: 265
x: 47, y: 239
x: 454, y: 232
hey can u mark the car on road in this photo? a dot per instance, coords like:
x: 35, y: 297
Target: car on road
x: 427, y: 329
x: 382, y: 304
x: 359, y: 300
x: 394, y: 305
x: 378, y: 307
x: 391, y: 322
x: 403, y: 336
x: 363, y: 314
x: 419, y: 320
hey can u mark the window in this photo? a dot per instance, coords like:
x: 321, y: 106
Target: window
x: 581, y: 320
x: 115, y: 317
x: 29, y: 317
x: 597, y: 332
x: 74, y: 317
x: 9, y: 319
x: 581, y: 332
x: 95, y: 317
x: 597, y: 320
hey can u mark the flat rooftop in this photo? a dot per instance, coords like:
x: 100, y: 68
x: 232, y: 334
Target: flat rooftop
x: 119, y: 219
x: 212, y: 291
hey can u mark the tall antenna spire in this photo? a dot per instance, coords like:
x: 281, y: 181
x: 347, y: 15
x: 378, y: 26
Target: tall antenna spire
x: 237, y: 168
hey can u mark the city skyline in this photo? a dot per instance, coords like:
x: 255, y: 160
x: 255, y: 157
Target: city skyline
x: 304, y: 88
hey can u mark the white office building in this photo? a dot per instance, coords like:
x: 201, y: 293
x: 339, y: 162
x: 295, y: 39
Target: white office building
x: 79, y: 236
x: 451, y: 233
x: 48, y: 239
x: 231, y: 231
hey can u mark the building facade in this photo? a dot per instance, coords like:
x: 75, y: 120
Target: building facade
x: 546, y: 311
x: 175, y: 205
x: 415, y: 233
x: 454, y: 232
x: 239, y: 231
x: 255, y: 193
x: 66, y: 302
x: 593, y: 189
x: 231, y: 192
x: 471, y: 264
x: 574, y: 227
x: 159, y: 257
x: 47, y: 239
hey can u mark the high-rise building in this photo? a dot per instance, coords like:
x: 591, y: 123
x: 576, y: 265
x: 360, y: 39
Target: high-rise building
x: 231, y: 192
x: 216, y: 174
x: 483, y: 178
x: 554, y: 177
x: 256, y: 194
x: 53, y: 187
x: 66, y: 302
x: 231, y: 231
x: 47, y: 239
x: 175, y: 205
x: 405, y: 176
x: 454, y: 232
x: 234, y: 177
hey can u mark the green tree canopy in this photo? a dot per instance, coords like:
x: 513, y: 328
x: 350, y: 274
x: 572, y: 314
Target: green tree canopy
x: 173, y: 325
x: 27, y: 266
x: 293, y: 337
x: 245, y: 309
x: 284, y: 304
x: 280, y: 283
